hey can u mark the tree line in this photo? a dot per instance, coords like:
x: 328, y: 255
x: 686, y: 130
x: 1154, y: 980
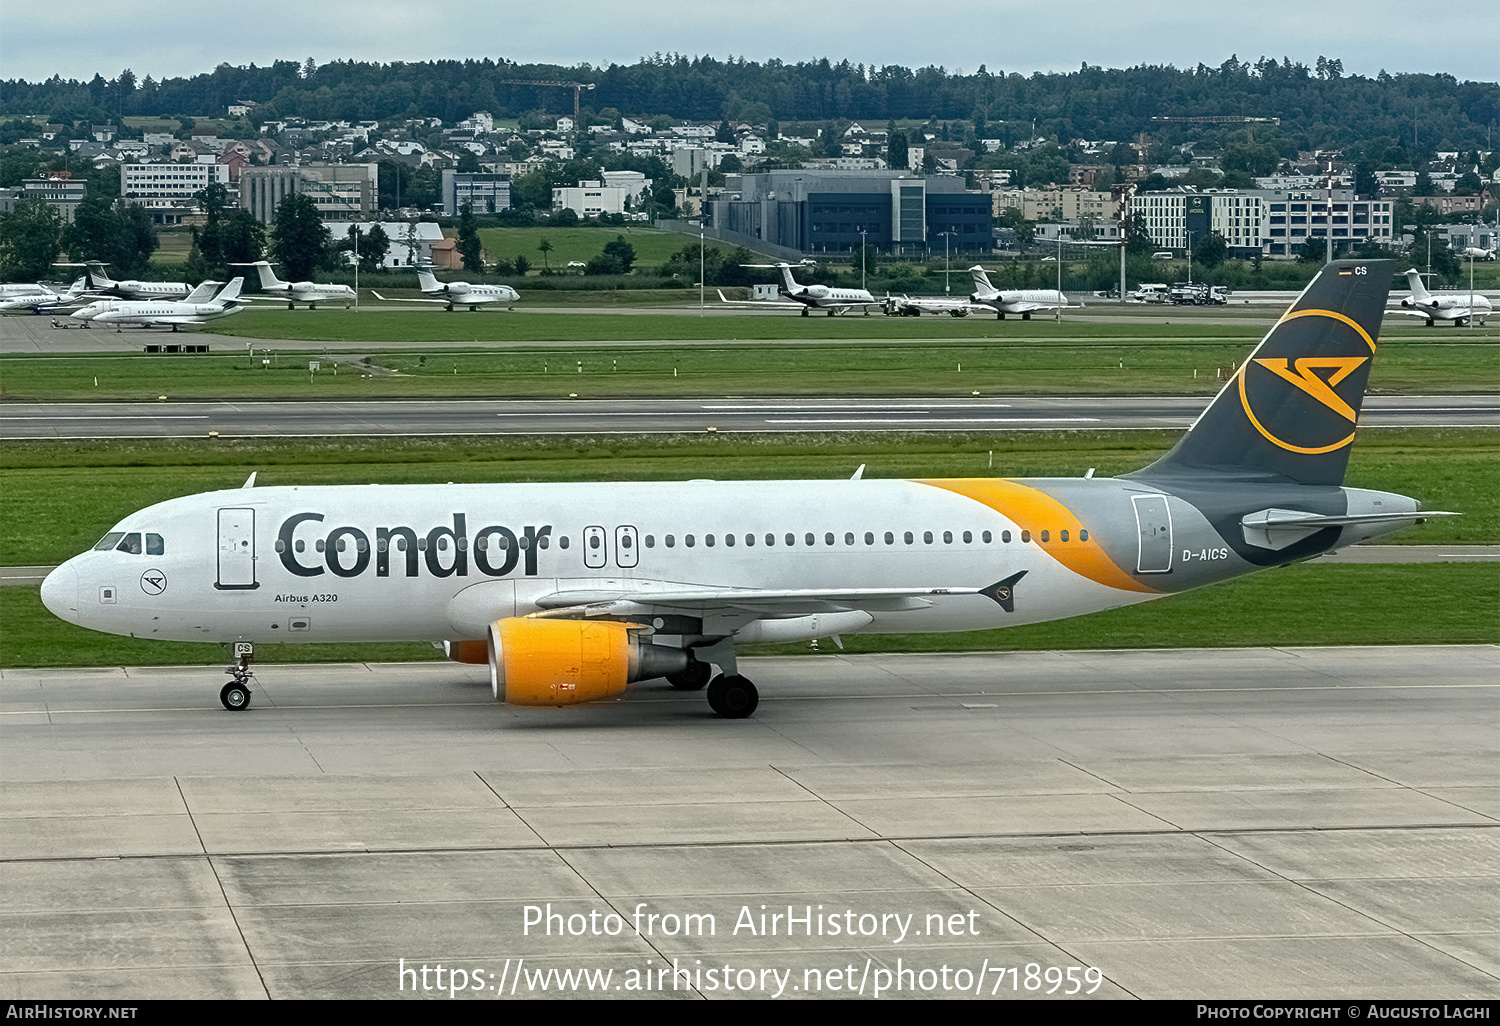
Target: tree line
x: 1319, y: 106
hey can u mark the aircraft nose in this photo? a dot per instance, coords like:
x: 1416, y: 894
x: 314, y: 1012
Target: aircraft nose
x: 60, y: 592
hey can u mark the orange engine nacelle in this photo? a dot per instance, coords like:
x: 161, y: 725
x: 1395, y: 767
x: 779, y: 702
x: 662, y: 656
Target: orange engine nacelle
x: 542, y: 661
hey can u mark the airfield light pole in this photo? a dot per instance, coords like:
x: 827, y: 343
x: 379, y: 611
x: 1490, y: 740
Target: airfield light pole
x: 862, y: 243
x: 1471, y: 289
x: 700, y: 263
x: 1190, y: 257
x: 355, y: 233
x: 947, y: 261
x: 1058, y: 308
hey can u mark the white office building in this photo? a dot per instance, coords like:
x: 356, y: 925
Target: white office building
x: 590, y: 199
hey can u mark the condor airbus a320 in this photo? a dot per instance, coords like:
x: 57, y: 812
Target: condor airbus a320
x: 571, y: 592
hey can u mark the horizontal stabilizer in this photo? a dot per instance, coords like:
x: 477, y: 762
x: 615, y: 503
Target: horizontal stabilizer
x: 1004, y: 592
x: 1278, y: 528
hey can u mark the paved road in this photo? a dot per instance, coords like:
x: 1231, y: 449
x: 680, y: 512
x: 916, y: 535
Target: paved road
x: 1258, y: 823
x: 569, y: 416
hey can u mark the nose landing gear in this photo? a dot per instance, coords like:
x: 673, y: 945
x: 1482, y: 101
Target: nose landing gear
x: 236, y: 694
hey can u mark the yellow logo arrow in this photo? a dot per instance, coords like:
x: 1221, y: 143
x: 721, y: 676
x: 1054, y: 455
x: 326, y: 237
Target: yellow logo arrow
x: 1320, y: 388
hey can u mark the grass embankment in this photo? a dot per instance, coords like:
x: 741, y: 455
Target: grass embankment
x: 652, y: 247
x: 1107, y: 365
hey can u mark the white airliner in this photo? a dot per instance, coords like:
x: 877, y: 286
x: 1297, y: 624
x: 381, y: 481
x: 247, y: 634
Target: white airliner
x: 456, y: 293
x: 1016, y: 301
x: 806, y: 297
x: 571, y: 592
x: 1455, y: 307
x: 99, y: 281
x: 294, y: 292
x: 43, y: 299
x: 194, y: 311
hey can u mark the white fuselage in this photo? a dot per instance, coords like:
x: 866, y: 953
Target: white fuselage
x: 378, y: 562
x: 1020, y: 300
x: 174, y: 314
x: 312, y: 292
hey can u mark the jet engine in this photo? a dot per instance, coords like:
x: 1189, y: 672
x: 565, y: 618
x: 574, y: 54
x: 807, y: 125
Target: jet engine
x: 548, y: 661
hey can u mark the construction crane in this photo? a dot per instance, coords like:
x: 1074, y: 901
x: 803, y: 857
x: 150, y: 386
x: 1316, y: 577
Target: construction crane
x: 577, y: 88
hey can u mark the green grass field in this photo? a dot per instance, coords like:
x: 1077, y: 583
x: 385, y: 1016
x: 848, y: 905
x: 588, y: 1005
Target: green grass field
x: 652, y: 247
x: 1103, y: 366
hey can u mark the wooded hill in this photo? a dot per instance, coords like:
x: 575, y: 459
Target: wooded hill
x: 1319, y: 106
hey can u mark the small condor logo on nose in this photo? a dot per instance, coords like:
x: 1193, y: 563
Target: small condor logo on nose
x: 153, y: 582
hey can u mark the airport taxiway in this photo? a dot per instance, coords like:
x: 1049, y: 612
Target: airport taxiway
x: 1256, y: 823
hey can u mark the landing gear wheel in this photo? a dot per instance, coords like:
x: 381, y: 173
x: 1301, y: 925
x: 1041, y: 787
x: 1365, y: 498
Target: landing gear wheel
x: 733, y: 698
x: 692, y: 678
x: 235, y: 696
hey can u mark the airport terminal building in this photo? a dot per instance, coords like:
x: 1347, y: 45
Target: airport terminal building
x: 833, y: 212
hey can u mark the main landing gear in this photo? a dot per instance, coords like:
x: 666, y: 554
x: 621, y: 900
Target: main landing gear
x: 236, y: 694
x: 732, y: 696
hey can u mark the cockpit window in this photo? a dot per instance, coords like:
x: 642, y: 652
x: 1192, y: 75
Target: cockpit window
x: 109, y: 541
x: 154, y: 545
x: 131, y: 543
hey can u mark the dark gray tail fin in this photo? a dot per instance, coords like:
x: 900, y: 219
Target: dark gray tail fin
x: 1290, y: 410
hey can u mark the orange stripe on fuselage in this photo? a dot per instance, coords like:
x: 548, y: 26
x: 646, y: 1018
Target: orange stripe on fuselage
x: 1034, y: 510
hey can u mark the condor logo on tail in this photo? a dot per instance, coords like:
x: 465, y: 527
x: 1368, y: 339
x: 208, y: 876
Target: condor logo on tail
x: 1314, y: 376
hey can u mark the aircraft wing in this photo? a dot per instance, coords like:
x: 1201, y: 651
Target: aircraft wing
x: 595, y: 601
x: 393, y: 299
x: 760, y: 304
x: 1029, y: 307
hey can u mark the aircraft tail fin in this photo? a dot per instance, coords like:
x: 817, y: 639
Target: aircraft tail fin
x: 203, y: 292
x: 786, y: 277
x: 981, y: 279
x: 1419, y: 293
x: 231, y: 291
x: 1290, y: 410
x: 428, y: 280
x: 268, y: 279
x: 98, y: 277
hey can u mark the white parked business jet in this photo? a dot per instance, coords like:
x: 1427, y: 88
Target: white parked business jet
x: 806, y: 297
x: 202, y: 294
x: 294, y: 292
x: 456, y: 293
x: 1016, y: 301
x: 192, y: 312
x: 571, y: 592
x: 1455, y: 307
x: 43, y: 298
x: 99, y: 281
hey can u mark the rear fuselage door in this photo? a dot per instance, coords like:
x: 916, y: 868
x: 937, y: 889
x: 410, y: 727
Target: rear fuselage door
x: 595, y: 547
x: 626, y: 544
x: 236, y: 549
x: 1154, y: 523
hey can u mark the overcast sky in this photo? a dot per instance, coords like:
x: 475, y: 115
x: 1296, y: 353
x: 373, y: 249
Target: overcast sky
x: 170, y: 38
